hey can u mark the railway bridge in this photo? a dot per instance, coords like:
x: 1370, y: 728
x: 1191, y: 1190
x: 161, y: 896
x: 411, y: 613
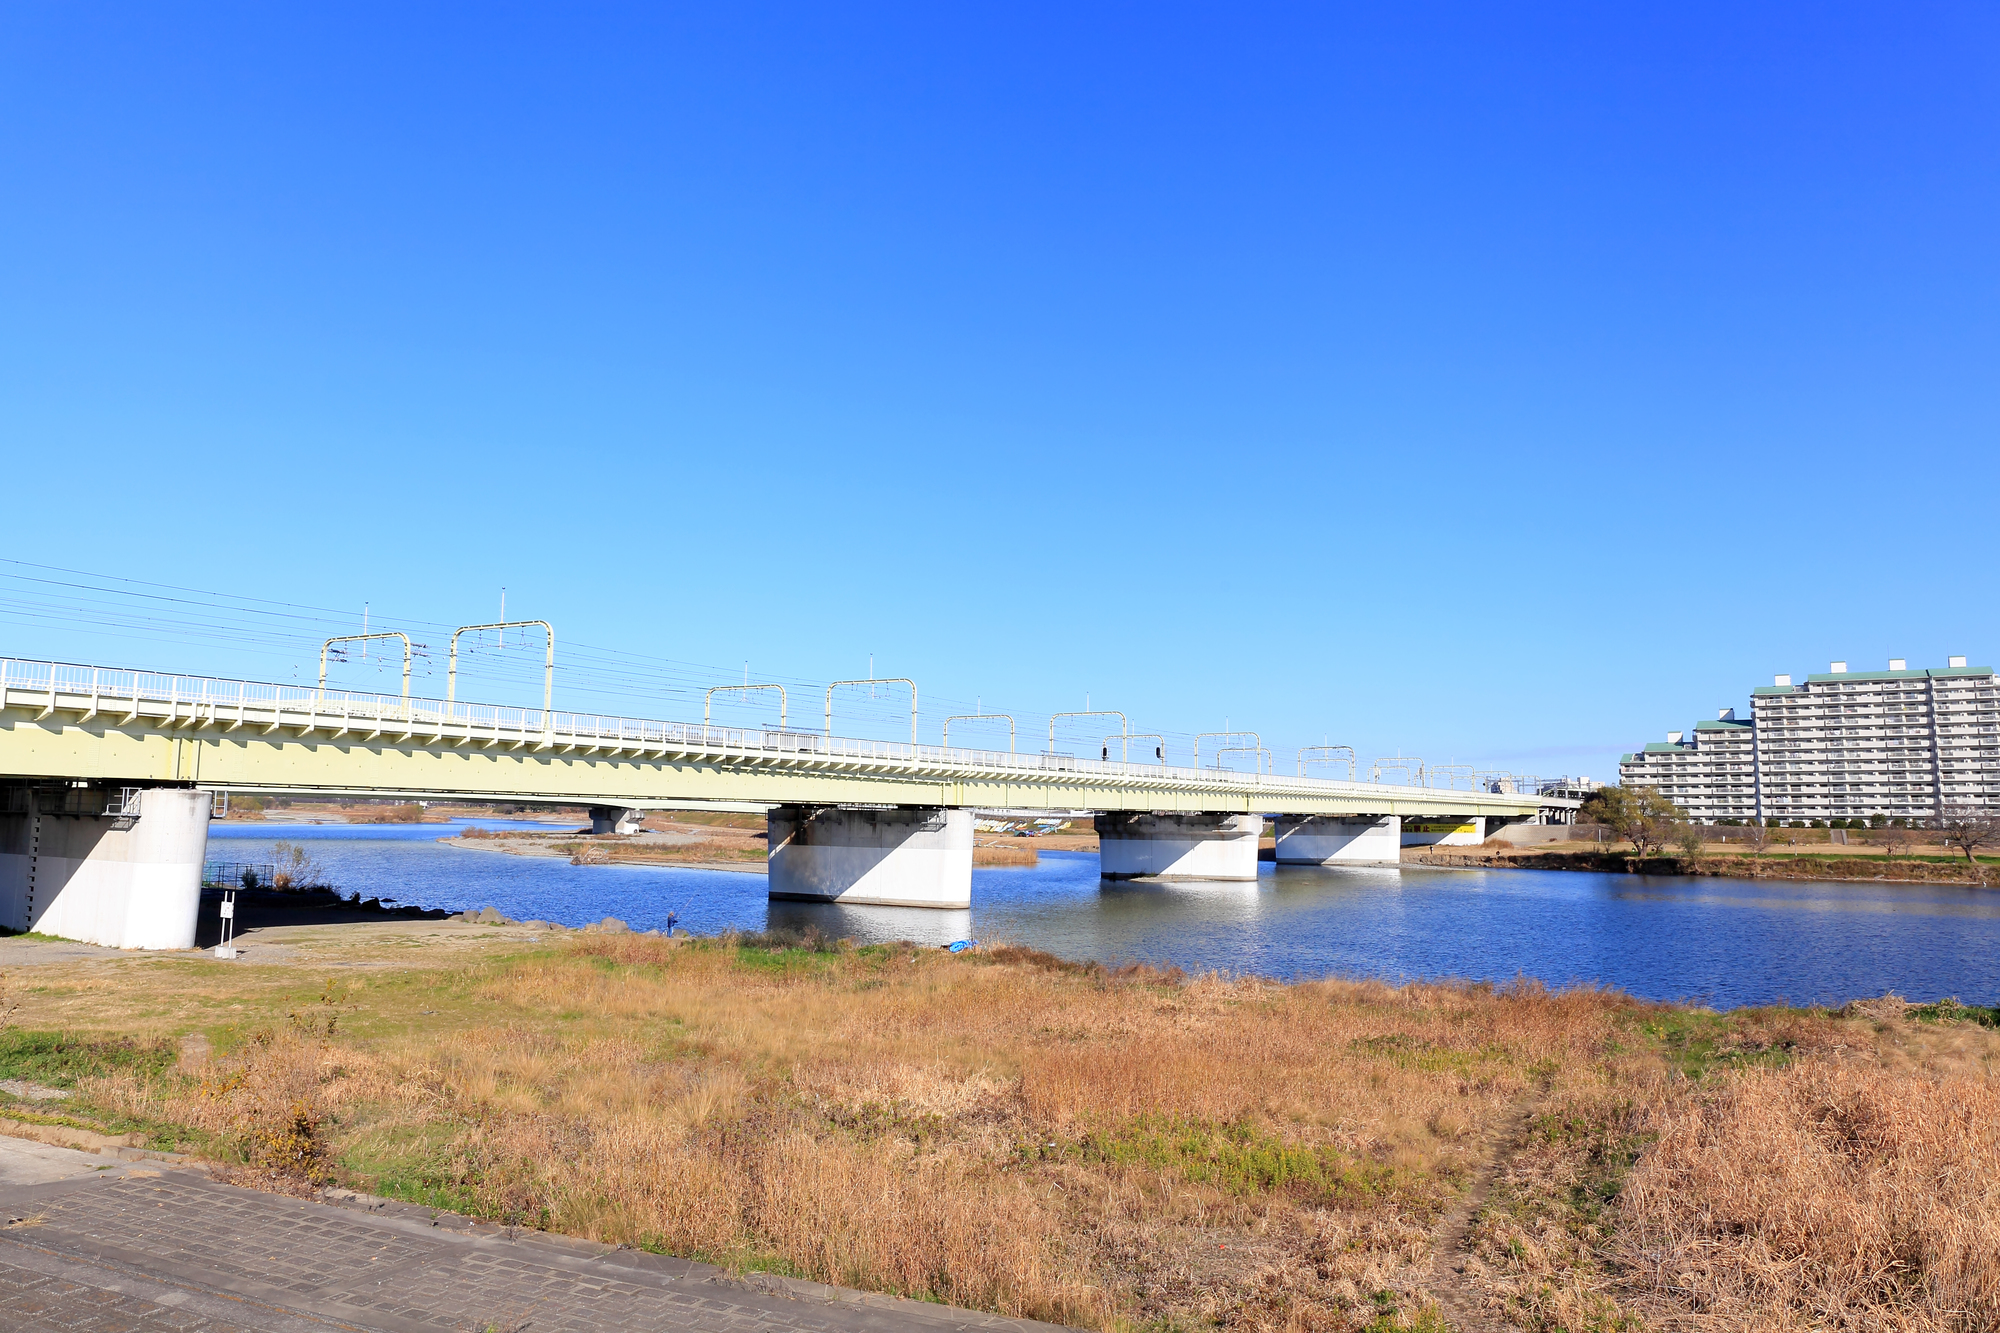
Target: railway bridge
x: 109, y: 777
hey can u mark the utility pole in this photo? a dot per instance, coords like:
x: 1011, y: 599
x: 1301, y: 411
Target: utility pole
x: 503, y: 615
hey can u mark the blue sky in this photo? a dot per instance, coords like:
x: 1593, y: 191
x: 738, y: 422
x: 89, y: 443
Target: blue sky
x: 1505, y: 385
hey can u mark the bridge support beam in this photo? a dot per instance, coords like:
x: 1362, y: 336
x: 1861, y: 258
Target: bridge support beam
x: 1334, y: 840
x: 615, y: 819
x: 886, y: 858
x: 131, y: 883
x: 1446, y: 830
x: 1178, y: 846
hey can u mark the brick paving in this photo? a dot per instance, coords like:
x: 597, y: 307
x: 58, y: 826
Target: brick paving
x: 121, y: 1246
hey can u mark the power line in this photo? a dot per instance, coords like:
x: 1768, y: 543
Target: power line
x: 118, y: 608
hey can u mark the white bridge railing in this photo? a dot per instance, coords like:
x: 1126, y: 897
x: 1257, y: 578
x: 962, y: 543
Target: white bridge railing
x: 178, y: 701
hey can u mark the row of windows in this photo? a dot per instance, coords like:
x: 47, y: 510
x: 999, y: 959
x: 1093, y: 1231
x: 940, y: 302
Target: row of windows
x: 1845, y: 747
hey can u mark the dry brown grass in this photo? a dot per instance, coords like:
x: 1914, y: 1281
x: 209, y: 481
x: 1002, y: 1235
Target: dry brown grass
x: 724, y: 845
x: 408, y: 812
x: 1815, y: 1171
x: 1822, y: 1195
x: 1004, y: 854
x: 680, y: 821
x: 703, y: 850
x: 1120, y: 1149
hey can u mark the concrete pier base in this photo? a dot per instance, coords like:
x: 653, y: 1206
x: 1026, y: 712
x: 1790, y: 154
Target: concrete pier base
x: 615, y: 819
x: 132, y: 882
x: 887, y: 858
x: 1331, y: 840
x: 1444, y: 831
x: 1178, y: 846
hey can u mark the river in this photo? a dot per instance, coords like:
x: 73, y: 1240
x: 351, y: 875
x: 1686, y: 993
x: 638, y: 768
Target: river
x: 1722, y: 942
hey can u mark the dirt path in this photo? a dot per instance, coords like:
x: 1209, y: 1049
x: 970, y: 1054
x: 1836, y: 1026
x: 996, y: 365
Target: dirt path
x: 1464, y: 1308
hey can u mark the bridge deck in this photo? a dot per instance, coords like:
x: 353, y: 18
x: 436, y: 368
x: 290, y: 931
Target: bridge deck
x: 81, y: 723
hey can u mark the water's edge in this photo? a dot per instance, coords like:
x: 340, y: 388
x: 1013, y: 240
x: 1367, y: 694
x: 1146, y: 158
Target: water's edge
x: 1720, y: 941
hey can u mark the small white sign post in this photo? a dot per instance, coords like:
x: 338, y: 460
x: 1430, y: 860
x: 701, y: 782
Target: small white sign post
x: 227, y: 949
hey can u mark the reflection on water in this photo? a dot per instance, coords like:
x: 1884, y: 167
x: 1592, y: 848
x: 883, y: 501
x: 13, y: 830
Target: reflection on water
x: 872, y: 925
x: 1724, y: 942
x: 1974, y: 904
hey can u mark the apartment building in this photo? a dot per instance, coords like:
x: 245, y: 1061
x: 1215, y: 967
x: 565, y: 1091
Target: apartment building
x: 1841, y: 745
x: 1711, y: 773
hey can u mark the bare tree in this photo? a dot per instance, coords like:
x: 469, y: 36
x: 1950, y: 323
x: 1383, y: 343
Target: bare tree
x: 1968, y: 828
x: 1892, y: 838
x: 1640, y: 816
x: 1758, y: 836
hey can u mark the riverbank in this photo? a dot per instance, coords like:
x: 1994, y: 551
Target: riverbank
x: 665, y: 840
x: 1857, y: 865
x: 1108, y: 1148
x: 695, y: 849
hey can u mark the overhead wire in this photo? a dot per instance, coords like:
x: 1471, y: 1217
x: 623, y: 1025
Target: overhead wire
x: 124, y: 609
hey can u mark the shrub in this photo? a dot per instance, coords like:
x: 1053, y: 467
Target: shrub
x: 296, y: 868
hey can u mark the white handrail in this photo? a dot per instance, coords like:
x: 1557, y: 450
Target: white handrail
x: 143, y: 693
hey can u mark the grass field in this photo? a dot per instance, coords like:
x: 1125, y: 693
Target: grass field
x: 1109, y: 1149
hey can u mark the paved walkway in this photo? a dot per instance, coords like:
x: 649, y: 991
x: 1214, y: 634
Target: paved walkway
x: 93, y: 1244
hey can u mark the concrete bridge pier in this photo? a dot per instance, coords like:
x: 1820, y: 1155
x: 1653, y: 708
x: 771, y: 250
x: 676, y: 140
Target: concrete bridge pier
x: 1337, y: 840
x: 131, y: 881
x: 615, y: 819
x: 919, y: 857
x: 1178, y: 846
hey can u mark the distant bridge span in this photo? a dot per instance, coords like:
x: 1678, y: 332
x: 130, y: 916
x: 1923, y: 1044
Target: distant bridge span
x: 851, y: 820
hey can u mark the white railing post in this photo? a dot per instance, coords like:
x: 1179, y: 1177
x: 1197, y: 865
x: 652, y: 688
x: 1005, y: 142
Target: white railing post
x: 888, y: 755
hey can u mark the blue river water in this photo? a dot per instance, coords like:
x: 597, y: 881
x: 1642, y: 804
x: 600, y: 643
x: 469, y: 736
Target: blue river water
x: 1722, y: 942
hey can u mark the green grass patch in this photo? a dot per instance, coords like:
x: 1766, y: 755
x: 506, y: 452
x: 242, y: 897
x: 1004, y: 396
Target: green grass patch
x: 157, y: 1135
x: 1604, y: 1150
x: 1951, y: 1011
x: 1388, y: 1319
x: 1697, y: 1044
x: 1882, y: 858
x: 1409, y: 1051
x: 410, y: 1163
x: 1243, y: 1159
x: 59, y: 1059
x: 62, y: 1060
x: 790, y: 962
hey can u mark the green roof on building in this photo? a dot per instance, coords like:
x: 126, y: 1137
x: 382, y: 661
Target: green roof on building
x: 1939, y: 672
